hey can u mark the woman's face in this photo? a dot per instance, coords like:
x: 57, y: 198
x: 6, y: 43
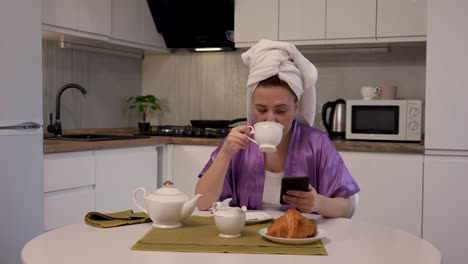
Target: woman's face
x: 275, y: 104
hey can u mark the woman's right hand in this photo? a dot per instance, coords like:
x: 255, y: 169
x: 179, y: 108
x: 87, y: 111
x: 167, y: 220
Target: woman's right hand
x: 236, y: 139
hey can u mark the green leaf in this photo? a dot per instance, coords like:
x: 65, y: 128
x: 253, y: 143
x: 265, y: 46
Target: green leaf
x: 144, y: 104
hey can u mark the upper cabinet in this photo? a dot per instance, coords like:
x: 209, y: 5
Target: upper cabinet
x: 255, y: 20
x: 87, y: 16
x: 401, y: 18
x: 149, y: 32
x: 60, y: 13
x: 94, y: 16
x: 309, y: 22
x: 125, y: 19
x: 301, y: 19
x: 132, y: 22
x: 350, y: 19
x: 104, y: 22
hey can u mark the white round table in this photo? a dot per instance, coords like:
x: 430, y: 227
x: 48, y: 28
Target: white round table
x: 348, y: 242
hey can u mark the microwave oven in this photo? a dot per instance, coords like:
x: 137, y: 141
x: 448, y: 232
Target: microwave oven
x: 394, y: 120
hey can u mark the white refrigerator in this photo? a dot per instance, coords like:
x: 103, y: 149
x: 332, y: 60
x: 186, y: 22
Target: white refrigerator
x: 21, y: 151
x: 445, y: 203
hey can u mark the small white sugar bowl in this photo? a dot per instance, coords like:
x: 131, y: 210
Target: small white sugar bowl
x: 229, y: 220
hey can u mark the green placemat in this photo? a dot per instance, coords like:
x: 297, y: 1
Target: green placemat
x: 199, y: 234
x: 128, y: 217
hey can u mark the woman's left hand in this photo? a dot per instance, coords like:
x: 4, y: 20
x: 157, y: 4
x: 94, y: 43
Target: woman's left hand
x: 306, y: 202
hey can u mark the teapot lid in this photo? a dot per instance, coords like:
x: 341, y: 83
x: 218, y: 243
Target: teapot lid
x: 168, y: 189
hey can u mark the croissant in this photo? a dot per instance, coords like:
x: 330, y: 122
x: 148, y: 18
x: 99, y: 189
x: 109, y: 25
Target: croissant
x: 292, y: 225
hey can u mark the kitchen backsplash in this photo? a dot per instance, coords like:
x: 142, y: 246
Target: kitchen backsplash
x: 203, y: 85
x: 109, y: 80
x: 212, y: 85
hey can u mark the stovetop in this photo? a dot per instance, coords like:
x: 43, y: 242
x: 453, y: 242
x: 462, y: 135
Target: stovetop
x: 187, y: 131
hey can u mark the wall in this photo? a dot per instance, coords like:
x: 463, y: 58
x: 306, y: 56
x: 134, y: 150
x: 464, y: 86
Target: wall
x: 109, y: 80
x: 212, y: 85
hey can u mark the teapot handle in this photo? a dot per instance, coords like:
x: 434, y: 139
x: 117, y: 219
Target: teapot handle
x: 135, y: 200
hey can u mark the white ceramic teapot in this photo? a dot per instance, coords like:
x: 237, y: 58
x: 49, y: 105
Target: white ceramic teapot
x: 229, y: 220
x: 167, y: 206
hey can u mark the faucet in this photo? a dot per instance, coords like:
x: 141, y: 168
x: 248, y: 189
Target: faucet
x: 56, y: 128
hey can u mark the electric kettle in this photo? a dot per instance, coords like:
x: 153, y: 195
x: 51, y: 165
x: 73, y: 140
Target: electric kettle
x: 335, y: 122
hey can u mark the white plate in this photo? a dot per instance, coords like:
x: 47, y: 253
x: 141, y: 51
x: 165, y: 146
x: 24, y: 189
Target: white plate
x: 257, y: 217
x: 293, y: 241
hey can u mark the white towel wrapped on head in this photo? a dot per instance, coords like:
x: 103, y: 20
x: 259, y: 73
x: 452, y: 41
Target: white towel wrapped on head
x: 268, y: 58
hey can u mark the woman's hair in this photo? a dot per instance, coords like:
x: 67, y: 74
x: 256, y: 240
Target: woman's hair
x: 277, y: 82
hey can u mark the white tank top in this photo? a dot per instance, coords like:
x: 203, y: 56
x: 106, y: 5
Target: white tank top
x: 271, y: 190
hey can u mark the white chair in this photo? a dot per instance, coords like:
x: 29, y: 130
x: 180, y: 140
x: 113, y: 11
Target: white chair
x: 354, y: 204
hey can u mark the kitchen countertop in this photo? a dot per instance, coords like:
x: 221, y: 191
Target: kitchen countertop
x: 59, y: 146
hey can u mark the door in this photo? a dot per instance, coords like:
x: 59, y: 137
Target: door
x: 21, y: 170
x: 350, y: 19
x: 255, y: 20
x: 391, y: 185
x: 401, y: 18
x: 446, y: 78
x: 445, y: 206
x: 95, y: 16
x: 126, y: 19
x: 301, y: 19
x: 119, y: 172
x: 188, y: 161
x: 60, y: 13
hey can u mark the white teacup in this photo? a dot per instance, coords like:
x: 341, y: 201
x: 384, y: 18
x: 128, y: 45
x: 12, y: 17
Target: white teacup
x: 267, y: 135
x: 369, y: 92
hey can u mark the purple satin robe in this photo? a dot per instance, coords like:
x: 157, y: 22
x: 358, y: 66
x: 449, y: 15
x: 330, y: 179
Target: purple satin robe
x: 310, y: 153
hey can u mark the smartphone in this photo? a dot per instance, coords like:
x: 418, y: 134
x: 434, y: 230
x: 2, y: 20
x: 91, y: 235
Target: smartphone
x: 293, y: 183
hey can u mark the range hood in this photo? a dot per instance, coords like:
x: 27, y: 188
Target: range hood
x: 194, y: 24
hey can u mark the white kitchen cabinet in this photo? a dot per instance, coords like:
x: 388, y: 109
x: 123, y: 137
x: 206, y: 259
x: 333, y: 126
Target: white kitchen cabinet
x: 67, y: 207
x: 60, y: 13
x: 322, y: 22
x: 132, y: 22
x: 350, y: 19
x: 187, y: 163
x: 149, y: 33
x: 446, y: 145
x: 255, y: 20
x: 125, y: 19
x: 78, y: 15
x: 446, y: 77
x: 76, y: 183
x: 391, y: 188
x: 69, y: 180
x: 95, y: 16
x: 445, y: 206
x: 301, y: 19
x: 119, y: 172
x: 400, y: 18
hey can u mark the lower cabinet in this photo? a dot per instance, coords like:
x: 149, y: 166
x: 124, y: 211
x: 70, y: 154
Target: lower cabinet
x: 445, y: 206
x: 119, y: 172
x: 391, y: 184
x: 391, y: 188
x: 69, y: 194
x: 68, y: 206
x: 187, y: 163
x: 76, y: 183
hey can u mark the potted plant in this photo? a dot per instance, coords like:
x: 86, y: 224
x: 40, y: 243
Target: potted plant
x: 144, y: 104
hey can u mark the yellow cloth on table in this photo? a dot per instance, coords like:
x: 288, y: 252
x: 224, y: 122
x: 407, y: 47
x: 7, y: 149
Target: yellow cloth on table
x: 199, y: 234
x: 128, y: 217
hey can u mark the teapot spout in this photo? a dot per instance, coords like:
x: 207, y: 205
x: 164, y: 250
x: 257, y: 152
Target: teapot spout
x: 189, y: 207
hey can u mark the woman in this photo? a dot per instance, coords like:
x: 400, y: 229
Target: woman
x: 281, y: 88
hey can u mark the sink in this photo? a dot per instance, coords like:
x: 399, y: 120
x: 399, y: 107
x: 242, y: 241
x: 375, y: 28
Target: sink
x: 94, y: 137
